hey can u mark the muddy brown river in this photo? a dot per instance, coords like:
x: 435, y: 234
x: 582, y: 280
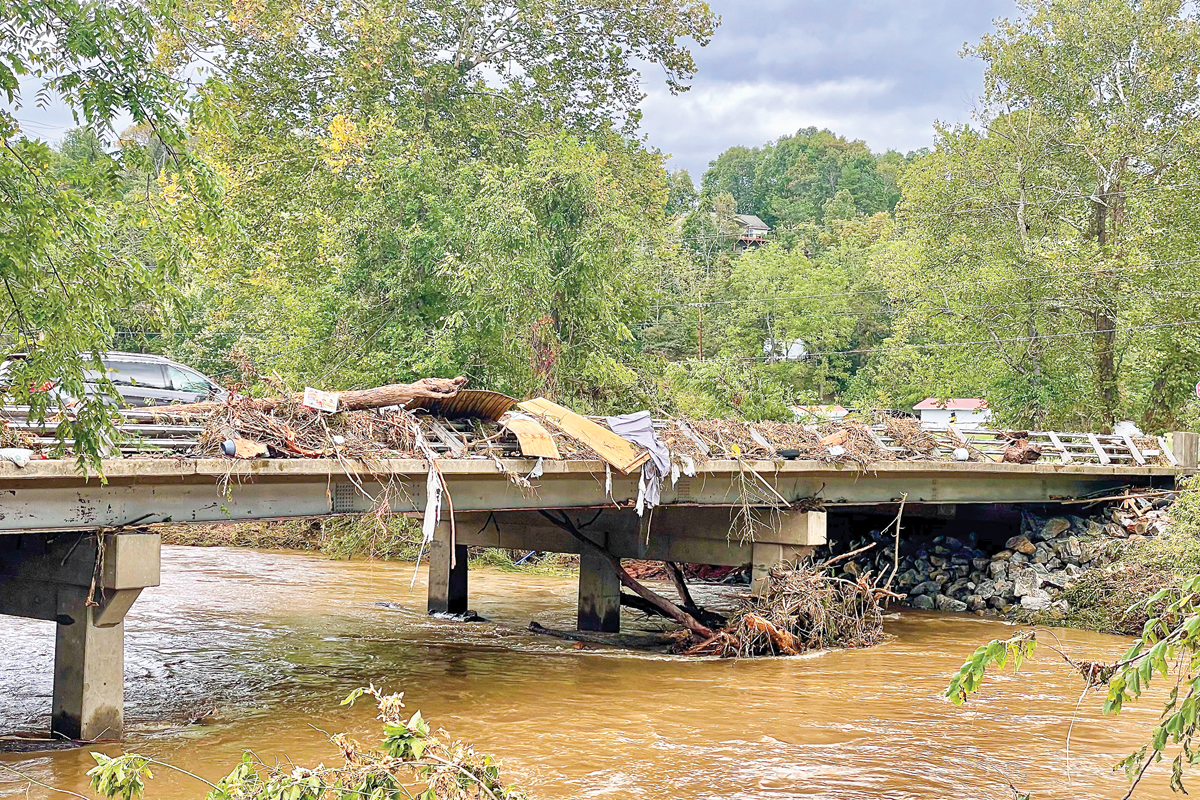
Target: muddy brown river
x: 262, y: 646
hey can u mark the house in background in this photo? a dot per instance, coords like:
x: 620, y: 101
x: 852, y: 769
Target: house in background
x: 965, y: 412
x: 750, y: 230
x: 754, y: 230
x: 822, y: 413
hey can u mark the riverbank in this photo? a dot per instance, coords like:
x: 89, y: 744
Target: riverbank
x: 394, y: 538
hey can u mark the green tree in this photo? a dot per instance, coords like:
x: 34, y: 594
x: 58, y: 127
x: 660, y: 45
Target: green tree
x: 67, y: 280
x: 682, y: 197
x: 438, y: 188
x: 1056, y: 231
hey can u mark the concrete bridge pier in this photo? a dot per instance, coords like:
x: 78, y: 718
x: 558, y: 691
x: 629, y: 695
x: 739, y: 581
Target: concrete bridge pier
x: 685, y: 534
x: 84, y: 582
x: 447, y: 576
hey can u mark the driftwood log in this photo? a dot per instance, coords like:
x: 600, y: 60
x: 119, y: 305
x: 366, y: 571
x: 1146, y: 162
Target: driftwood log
x: 396, y: 394
x: 653, y: 598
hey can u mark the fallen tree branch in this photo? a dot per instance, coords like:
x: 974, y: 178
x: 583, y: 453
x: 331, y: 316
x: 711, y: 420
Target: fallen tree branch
x: 396, y: 394
x: 663, y: 604
x: 681, y: 586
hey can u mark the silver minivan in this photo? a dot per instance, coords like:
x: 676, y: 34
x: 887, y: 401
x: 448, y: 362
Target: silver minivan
x: 145, y: 380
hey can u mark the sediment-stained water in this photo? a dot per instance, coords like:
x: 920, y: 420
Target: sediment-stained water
x: 260, y: 648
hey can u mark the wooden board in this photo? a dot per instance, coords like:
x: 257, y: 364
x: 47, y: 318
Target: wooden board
x: 1165, y: 449
x: 1100, y: 453
x: 1062, y: 451
x: 1137, y: 454
x: 535, y: 440
x: 612, y: 448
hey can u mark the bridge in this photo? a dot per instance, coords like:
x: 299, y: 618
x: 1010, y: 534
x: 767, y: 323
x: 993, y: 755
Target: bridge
x: 75, y: 549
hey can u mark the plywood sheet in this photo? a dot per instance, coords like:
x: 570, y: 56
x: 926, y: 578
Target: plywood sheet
x: 535, y: 440
x: 612, y: 448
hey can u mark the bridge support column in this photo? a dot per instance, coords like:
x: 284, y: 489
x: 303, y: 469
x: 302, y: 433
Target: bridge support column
x: 447, y: 584
x: 765, y: 555
x: 85, y: 583
x: 799, y: 533
x: 599, y: 594
x: 89, y: 672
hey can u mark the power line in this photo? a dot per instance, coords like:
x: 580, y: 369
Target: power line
x: 891, y: 312
x: 1064, y: 198
x: 776, y: 298
x: 998, y: 340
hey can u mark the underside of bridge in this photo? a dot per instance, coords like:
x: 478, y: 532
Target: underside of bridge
x: 67, y: 553
x: 680, y: 534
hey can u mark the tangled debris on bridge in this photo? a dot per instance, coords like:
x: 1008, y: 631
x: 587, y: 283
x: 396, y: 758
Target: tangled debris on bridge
x: 440, y: 417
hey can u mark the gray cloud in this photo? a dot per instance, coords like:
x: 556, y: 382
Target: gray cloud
x: 877, y: 70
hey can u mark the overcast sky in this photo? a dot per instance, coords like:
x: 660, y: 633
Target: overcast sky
x: 878, y: 70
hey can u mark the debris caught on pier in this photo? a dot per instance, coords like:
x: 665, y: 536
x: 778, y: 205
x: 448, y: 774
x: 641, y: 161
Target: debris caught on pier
x: 802, y: 606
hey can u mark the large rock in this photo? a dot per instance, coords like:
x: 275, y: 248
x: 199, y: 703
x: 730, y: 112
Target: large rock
x: 926, y: 587
x: 1026, y: 581
x: 998, y: 570
x: 1021, y: 544
x: 1042, y: 553
x: 1004, y: 590
x: 976, y: 603
x: 1055, y: 527
x: 980, y: 564
x: 944, y: 603
x: 1003, y: 555
x: 923, y: 602
x: 1090, y: 550
x: 1037, y: 600
x: 1017, y: 559
x: 986, y: 589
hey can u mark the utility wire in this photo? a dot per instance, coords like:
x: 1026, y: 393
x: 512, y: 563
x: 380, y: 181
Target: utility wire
x: 1020, y: 279
x: 1001, y: 340
x: 892, y: 312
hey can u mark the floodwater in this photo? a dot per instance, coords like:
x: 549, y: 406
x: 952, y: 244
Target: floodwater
x: 262, y: 646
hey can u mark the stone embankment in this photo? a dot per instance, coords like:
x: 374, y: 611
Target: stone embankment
x: 1024, y: 573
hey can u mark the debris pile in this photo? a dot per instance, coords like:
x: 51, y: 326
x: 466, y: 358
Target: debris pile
x: 1024, y: 573
x: 802, y: 606
x: 456, y: 422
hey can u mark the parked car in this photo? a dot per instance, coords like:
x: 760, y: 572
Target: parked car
x: 143, y: 380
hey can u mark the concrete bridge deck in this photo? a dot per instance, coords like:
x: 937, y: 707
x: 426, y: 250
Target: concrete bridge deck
x: 53, y: 495
x: 67, y: 554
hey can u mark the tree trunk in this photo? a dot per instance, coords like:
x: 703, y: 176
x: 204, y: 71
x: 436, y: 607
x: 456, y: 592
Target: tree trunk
x: 396, y: 394
x: 658, y: 601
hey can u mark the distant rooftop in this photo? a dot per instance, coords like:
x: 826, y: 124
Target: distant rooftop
x: 952, y: 404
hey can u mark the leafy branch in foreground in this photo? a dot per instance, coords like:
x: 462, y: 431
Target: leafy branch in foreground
x: 1168, y: 649
x: 412, y: 761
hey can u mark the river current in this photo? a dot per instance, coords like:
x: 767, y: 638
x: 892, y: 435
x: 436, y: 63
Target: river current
x: 260, y: 647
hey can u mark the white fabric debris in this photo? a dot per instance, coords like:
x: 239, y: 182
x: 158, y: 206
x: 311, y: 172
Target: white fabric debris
x: 608, y: 482
x: 638, y: 429
x: 674, y: 474
x: 17, y: 455
x: 537, y: 470
x: 1127, y: 427
x: 433, y: 504
x: 689, y: 465
x: 837, y: 450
